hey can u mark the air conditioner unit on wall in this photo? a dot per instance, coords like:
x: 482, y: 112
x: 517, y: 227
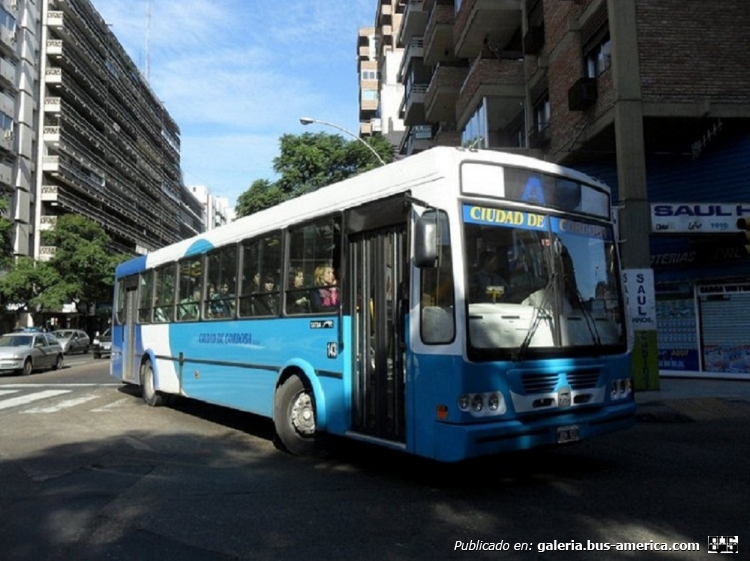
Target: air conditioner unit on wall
x: 582, y: 95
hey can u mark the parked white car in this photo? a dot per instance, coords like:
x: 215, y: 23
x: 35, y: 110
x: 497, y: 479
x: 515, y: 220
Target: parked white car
x: 25, y: 352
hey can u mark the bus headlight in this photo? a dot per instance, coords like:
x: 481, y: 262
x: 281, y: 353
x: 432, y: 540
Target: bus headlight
x: 463, y: 402
x: 477, y: 403
x: 493, y: 402
x: 482, y: 404
x: 620, y: 388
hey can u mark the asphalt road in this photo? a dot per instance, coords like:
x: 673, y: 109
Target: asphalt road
x: 90, y: 472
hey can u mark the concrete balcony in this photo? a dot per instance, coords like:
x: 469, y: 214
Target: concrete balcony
x: 414, y: 50
x: 51, y: 164
x: 7, y: 139
x: 442, y: 93
x: 7, y: 75
x: 502, y: 81
x: 7, y: 40
x: 49, y: 193
x: 51, y: 135
x: 413, y: 113
x: 52, y: 104
x: 54, y: 47
x: 438, y: 35
x: 47, y: 252
x: 414, y: 21
x: 477, y: 21
x: 53, y: 76
x: 6, y: 172
x: 47, y: 222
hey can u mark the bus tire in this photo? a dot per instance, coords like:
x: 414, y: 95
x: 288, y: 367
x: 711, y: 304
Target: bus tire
x: 294, y: 419
x: 148, y: 388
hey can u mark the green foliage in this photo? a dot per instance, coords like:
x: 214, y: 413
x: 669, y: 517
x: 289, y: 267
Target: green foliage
x: 308, y: 162
x: 6, y: 231
x: 81, y: 270
x: 262, y: 194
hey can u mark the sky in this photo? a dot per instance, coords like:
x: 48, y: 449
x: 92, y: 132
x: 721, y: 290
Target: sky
x: 238, y: 74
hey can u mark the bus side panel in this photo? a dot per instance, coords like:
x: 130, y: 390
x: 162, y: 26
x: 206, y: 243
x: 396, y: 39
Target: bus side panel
x: 159, y: 349
x: 237, y: 364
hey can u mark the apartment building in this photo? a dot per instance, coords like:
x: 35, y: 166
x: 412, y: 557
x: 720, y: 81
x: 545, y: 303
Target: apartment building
x: 217, y: 211
x: 379, y: 60
x: 84, y: 133
x: 652, y: 96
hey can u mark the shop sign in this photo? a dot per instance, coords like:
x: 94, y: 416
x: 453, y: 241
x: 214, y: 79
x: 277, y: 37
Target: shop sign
x: 697, y: 218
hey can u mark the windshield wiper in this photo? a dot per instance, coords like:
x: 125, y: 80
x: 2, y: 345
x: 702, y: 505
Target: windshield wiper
x: 539, y: 314
x: 590, y: 321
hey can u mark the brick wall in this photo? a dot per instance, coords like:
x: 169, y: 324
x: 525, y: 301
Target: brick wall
x: 693, y: 50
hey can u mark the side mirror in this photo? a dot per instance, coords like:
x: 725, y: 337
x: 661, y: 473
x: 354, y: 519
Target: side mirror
x: 426, y: 242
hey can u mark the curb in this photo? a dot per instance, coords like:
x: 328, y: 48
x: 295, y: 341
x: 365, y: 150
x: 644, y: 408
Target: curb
x: 693, y: 409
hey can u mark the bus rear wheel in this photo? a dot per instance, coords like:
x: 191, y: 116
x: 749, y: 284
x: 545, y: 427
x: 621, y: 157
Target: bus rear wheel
x: 148, y: 388
x: 294, y: 419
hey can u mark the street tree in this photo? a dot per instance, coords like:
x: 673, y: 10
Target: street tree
x: 308, y: 162
x: 6, y: 230
x: 82, y: 269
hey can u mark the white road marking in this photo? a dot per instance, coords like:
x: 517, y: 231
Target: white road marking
x: 6, y: 392
x: 110, y: 406
x: 30, y: 398
x: 63, y: 404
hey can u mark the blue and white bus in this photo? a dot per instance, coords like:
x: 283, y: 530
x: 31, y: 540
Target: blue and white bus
x: 453, y: 304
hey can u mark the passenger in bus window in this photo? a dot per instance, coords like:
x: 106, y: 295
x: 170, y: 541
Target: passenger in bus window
x: 298, y: 302
x: 326, y: 297
x: 226, y: 300
x: 189, y: 306
x: 162, y: 313
x: 267, y: 303
x: 212, y: 305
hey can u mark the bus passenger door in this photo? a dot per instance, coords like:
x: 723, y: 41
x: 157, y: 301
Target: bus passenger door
x: 377, y: 276
x: 129, y: 366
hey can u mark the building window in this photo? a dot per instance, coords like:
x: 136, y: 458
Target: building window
x: 474, y: 134
x: 598, y: 56
x: 369, y: 74
x: 541, y: 114
x: 369, y: 95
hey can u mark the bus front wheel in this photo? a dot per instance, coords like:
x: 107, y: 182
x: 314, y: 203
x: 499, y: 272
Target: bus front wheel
x: 148, y: 388
x: 294, y: 419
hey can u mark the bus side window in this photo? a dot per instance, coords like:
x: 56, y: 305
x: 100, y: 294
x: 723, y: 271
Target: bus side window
x: 190, y: 289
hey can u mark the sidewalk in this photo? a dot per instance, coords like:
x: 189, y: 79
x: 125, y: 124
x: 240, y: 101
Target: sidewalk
x: 692, y: 399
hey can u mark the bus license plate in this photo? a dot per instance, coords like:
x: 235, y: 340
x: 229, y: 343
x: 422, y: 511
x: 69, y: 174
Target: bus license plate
x: 567, y: 434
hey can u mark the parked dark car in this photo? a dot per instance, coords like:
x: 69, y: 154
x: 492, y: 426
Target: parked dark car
x: 24, y: 352
x: 102, y: 344
x: 73, y: 340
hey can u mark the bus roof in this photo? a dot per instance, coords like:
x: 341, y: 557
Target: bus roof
x: 419, y: 173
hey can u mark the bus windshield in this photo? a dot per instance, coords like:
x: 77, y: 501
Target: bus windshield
x: 540, y: 284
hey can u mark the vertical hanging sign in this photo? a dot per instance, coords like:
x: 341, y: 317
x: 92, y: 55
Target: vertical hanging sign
x: 640, y: 304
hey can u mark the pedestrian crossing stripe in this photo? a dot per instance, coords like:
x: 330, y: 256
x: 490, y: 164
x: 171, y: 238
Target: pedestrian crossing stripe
x: 30, y: 398
x: 68, y: 403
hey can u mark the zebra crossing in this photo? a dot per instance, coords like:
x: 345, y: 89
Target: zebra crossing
x: 37, y: 399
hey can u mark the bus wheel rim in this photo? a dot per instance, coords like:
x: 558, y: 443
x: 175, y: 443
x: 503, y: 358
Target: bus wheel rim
x: 302, y: 415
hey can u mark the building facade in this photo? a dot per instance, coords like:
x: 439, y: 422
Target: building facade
x: 652, y: 96
x: 216, y: 210
x: 83, y: 133
x: 379, y: 61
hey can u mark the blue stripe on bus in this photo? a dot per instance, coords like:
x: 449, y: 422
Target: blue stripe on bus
x: 198, y: 247
x: 131, y: 267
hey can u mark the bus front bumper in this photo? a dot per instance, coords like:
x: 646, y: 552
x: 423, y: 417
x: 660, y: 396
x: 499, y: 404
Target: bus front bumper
x: 459, y: 442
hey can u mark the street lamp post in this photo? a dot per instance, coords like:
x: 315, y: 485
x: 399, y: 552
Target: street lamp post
x: 308, y: 121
